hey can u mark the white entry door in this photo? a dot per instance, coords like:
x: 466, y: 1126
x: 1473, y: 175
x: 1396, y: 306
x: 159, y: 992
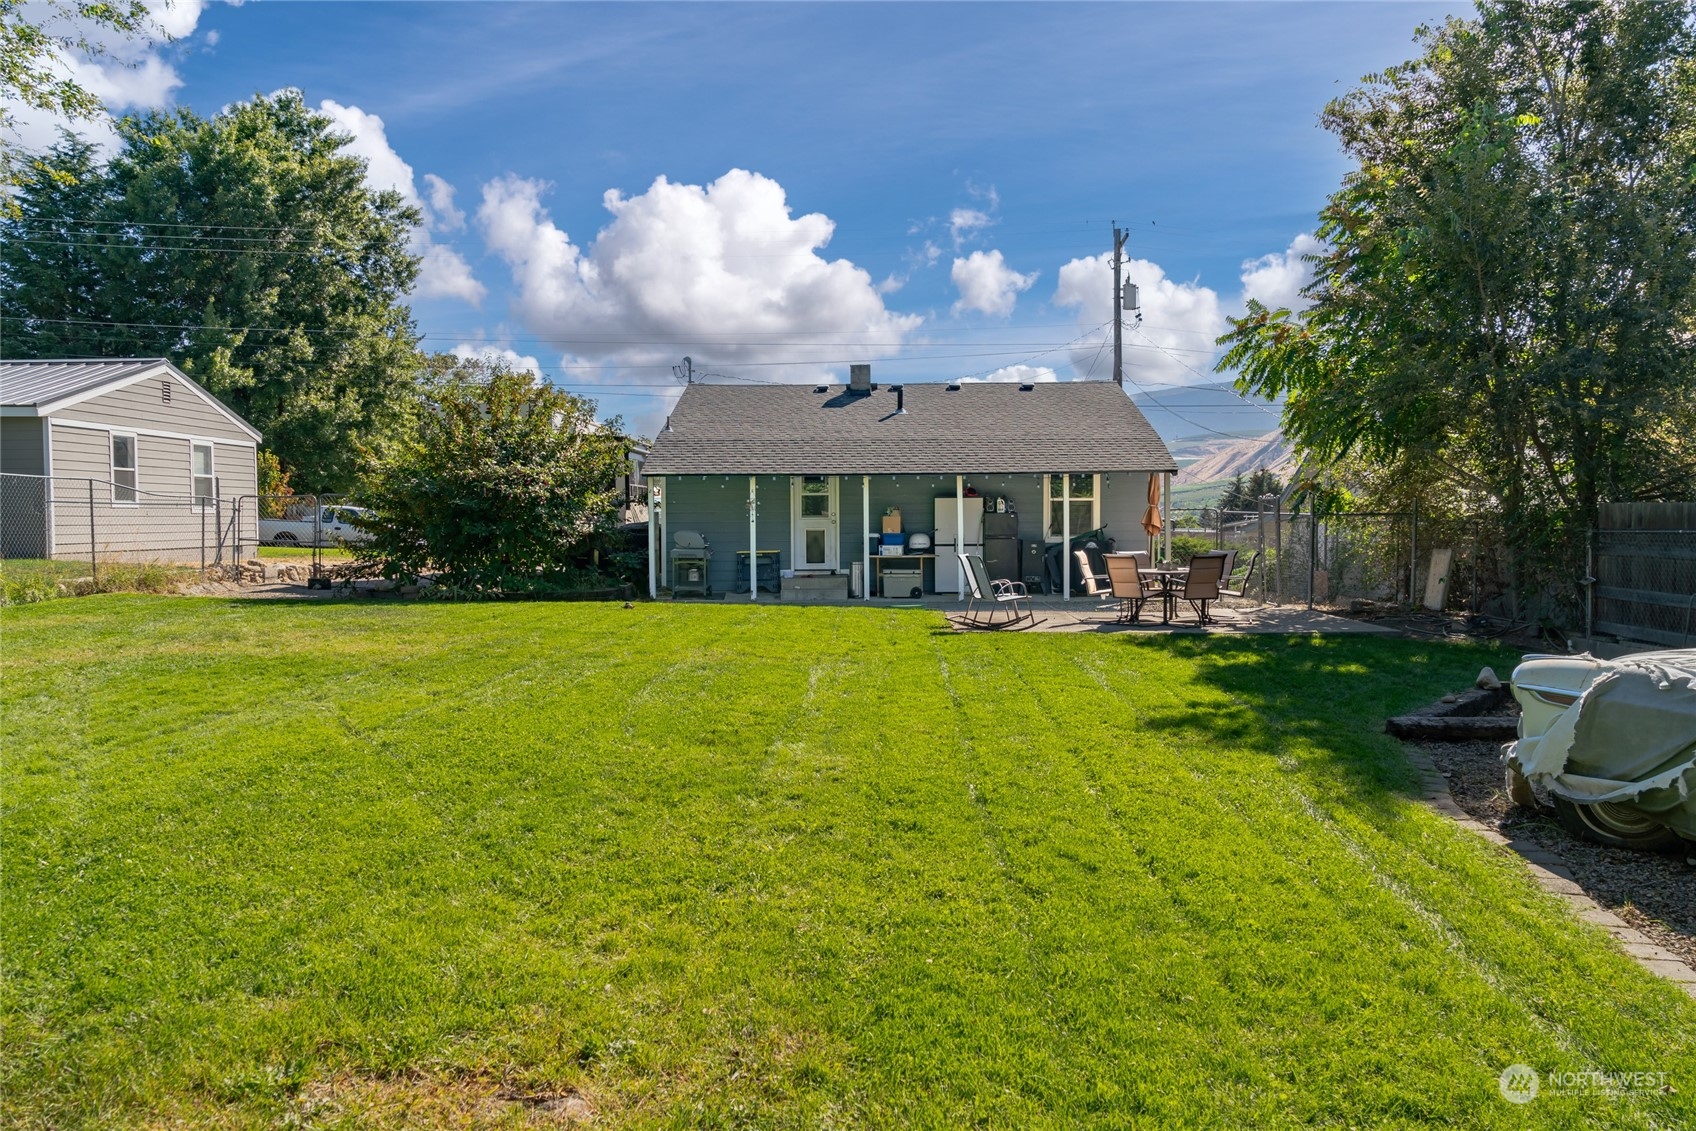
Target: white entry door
x: 813, y: 519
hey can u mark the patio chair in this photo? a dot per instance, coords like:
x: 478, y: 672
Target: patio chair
x: 1201, y: 583
x: 1128, y: 588
x: 1228, y: 587
x: 994, y: 595
x: 1095, y: 584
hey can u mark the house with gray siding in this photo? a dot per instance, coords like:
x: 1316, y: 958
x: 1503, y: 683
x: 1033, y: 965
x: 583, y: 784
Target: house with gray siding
x: 805, y: 479
x: 124, y: 459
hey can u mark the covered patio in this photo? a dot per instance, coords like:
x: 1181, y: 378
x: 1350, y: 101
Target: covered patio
x: 834, y: 493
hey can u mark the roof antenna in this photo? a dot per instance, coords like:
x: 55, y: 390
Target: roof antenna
x: 685, y: 371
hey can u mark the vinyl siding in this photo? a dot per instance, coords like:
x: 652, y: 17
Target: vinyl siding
x: 140, y: 406
x: 717, y: 507
x: 163, y: 525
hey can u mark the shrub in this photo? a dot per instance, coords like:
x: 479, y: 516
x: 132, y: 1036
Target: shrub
x: 504, y: 482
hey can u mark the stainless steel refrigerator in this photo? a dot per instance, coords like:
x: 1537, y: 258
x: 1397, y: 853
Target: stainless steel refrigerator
x: 948, y: 543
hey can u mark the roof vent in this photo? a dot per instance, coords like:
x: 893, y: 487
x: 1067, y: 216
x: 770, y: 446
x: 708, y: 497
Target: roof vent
x: 1026, y: 387
x: 860, y: 379
x: 900, y: 399
x: 953, y: 386
x: 821, y: 388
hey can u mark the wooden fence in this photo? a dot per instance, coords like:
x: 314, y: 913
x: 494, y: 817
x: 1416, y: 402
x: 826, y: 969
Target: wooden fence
x: 1645, y: 570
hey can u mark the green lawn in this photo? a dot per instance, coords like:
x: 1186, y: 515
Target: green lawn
x: 297, y: 553
x: 396, y: 864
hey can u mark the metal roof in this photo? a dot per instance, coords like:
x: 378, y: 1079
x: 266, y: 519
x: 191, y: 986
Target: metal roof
x: 43, y: 388
x: 968, y: 428
x: 33, y: 383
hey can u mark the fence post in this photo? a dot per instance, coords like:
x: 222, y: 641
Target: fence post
x: 1590, y: 586
x: 1312, y: 543
x: 203, y: 541
x: 93, y: 555
x: 1413, y: 554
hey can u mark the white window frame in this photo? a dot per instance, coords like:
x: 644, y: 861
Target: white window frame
x: 1051, y: 535
x: 134, y: 486
x: 211, y: 473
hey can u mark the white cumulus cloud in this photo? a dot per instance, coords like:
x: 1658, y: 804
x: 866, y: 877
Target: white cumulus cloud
x: 1024, y: 374
x: 523, y: 363
x: 1276, y: 280
x: 723, y: 272
x: 128, y: 73
x: 448, y: 218
x: 1173, y: 345
x: 987, y: 285
x: 442, y: 271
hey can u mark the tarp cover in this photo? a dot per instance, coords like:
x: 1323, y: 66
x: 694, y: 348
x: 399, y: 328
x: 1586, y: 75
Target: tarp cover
x: 1631, y: 738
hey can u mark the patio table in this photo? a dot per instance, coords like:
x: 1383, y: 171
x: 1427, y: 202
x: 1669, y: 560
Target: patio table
x: 1166, y: 581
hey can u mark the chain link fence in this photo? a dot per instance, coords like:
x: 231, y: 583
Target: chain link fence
x: 1645, y: 585
x: 1332, y: 561
x: 71, y: 533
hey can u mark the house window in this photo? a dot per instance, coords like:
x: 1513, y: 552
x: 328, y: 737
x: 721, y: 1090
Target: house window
x: 123, y: 468
x: 1085, y: 501
x: 200, y: 461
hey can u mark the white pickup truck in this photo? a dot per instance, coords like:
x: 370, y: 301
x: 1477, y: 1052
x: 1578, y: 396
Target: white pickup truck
x: 334, y: 526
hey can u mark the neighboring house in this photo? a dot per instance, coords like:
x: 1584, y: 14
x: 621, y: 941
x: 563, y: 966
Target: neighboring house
x: 125, y: 459
x: 632, y: 488
x: 810, y: 471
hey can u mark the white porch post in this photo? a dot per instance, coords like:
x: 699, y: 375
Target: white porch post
x: 1066, y: 537
x: 866, y: 537
x: 1166, y: 514
x: 753, y: 541
x: 653, y: 538
x: 960, y: 532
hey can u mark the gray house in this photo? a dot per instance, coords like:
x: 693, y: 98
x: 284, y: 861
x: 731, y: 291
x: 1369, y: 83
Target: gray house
x: 806, y: 481
x: 121, y: 459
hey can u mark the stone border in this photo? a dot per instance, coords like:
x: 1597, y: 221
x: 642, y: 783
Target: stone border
x: 1553, y: 876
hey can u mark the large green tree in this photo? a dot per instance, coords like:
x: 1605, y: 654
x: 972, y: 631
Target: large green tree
x: 1507, y: 305
x: 248, y: 249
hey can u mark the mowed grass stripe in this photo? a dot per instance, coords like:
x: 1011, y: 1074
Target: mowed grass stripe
x: 1483, y: 897
x: 764, y: 866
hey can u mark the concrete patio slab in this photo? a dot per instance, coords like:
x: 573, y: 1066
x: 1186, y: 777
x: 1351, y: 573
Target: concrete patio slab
x: 1084, y: 615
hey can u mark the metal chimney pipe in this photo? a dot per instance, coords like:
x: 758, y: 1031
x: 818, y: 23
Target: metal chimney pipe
x: 900, y: 399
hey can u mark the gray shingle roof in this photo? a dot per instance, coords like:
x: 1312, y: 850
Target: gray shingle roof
x: 977, y: 428
x: 44, y: 382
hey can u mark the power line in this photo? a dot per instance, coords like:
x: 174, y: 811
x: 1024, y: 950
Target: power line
x: 1204, y: 377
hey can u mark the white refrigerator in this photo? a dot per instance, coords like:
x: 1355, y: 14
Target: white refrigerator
x: 948, y: 543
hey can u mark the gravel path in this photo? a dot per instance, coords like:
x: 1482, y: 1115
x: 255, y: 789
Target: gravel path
x: 1654, y: 893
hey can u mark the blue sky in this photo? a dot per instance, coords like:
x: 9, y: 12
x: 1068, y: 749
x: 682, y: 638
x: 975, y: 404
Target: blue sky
x: 970, y: 159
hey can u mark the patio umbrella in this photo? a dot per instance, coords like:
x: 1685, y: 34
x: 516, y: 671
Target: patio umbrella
x: 1151, y: 517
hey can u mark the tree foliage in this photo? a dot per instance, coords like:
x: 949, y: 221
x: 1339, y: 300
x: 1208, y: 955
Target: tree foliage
x: 1244, y: 492
x: 1507, y: 305
x: 504, y: 479
x: 246, y: 248
x: 35, y: 36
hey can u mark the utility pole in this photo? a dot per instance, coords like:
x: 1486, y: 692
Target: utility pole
x: 1119, y: 237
